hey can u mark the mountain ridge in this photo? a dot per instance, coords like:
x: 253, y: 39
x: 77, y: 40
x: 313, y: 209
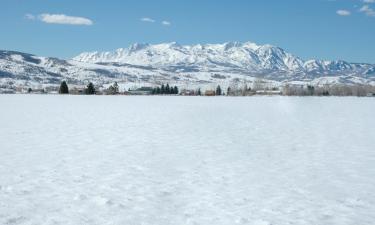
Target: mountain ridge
x: 194, y: 65
x: 246, y: 57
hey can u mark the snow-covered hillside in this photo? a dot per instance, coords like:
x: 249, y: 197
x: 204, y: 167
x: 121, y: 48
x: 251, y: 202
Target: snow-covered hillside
x: 195, y: 65
x: 246, y: 57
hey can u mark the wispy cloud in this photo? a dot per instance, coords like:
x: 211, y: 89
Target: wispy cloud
x: 60, y: 19
x: 343, y: 12
x: 166, y: 23
x: 148, y: 20
x: 369, y: 1
x: 366, y: 9
x: 30, y: 16
x: 64, y: 19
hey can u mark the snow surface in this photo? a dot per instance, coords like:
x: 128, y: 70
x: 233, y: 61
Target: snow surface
x: 186, y: 160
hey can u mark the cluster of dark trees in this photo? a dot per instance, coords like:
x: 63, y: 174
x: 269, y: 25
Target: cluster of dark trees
x: 113, y: 89
x: 165, y: 90
x: 89, y: 90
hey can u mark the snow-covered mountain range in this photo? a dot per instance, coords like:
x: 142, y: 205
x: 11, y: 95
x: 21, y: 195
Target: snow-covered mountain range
x: 196, y: 65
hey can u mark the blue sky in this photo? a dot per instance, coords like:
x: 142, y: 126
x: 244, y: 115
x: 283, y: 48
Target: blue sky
x: 324, y: 29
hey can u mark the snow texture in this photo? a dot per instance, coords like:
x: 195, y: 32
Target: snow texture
x: 186, y: 160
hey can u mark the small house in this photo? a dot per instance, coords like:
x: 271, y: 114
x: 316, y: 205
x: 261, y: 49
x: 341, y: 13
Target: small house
x: 209, y: 93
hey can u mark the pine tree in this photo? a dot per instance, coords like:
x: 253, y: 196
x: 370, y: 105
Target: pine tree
x: 115, y: 88
x: 63, y: 88
x: 158, y: 91
x: 167, y: 89
x: 310, y: 89
x: 162, y: 89
x: 199, y: 92
x: 175, y: 90
x: 218, y: 90
x: 228, y: 91
x: 90, y: 90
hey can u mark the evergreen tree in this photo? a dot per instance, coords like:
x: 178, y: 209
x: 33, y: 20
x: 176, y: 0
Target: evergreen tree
x: 29, y: 90
x: 218, y: 90
x: 310, y: 89
x: 199, y: 92
x: 228, y: 91
x: 167, y: 89
x: 162, y: 89
x: 115, y: 88
x: 111, y: 90
x: 90, y: 90
x: 175, y: 90
x: 63, y: 88
x: 158, y: 91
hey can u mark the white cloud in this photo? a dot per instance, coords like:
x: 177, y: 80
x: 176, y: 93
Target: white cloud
x: 148, y: 20
x: 366, y: 9
x: 166, y: 23
x: 30, y: 16
x: 343, y: 12
x: 368, y: 1
x: 64, y: 19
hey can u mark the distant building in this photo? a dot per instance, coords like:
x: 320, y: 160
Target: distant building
x: 187, y: 92
x: 268, y: 92
x: 38, y: 91
x: 140, y: 91
x: 7, y: 91
x: 77, y: 91
x: 209, y: 93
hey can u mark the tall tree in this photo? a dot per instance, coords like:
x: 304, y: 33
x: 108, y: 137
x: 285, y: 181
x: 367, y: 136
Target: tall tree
x: 228, y: 91
x: 175, y: 90
x: 162, y: 89
x: 167, y: 89
x: 90, y: 90
x: 63, y: 88
x: 218, y: 90
x: 310, y: 89
x: 199, y: 92
x: 116, y: 88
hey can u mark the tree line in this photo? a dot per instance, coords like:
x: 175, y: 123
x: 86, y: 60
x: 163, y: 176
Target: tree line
x: 165, y: 90
x: 234, y: 90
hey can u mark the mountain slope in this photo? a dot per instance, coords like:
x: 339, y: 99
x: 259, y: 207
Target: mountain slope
x: 248, y: 57
x: 194, y: 65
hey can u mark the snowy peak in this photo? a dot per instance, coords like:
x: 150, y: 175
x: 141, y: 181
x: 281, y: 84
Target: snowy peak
x: 136, y: 47
x: 244, y: 56
x: 247, y: 57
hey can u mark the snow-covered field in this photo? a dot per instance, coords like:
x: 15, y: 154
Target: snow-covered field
x: 115, y: 160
